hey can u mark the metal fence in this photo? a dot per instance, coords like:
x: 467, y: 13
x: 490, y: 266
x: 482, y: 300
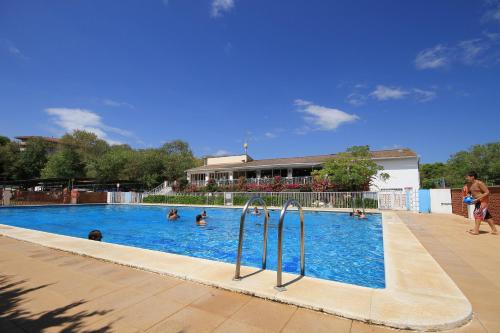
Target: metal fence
x: 306, y: 199
x: 392, y: 200
x: 258, y: 181
x: 125, y: 197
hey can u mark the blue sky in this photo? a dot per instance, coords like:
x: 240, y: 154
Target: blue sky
x: 291, y: 77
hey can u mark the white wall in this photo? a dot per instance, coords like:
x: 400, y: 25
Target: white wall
x: 403, y: 174
x: 227, y: 159
x: 440, y: 201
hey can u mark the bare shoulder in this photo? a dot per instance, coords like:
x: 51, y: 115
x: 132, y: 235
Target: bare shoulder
x: 482, y: 185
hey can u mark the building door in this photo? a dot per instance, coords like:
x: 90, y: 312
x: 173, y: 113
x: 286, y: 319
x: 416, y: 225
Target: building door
x: 424, y: 197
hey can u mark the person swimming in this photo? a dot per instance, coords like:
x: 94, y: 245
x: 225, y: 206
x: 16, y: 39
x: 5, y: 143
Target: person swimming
x: 360, y: 214
x: 204, y: 214
x: 172, y: 215
x: 200, y: 220
x: 95, y: 235
x: 256, y: 210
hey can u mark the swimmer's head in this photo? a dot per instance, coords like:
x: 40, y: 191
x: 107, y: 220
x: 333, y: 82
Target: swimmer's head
x: 95, y: 235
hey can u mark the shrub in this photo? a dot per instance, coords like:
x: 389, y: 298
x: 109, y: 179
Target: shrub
x: 185, y: 199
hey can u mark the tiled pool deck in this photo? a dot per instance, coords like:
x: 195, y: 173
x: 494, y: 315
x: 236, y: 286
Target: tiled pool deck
x: 41, y: 288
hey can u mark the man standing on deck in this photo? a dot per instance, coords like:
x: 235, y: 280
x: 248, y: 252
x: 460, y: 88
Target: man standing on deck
x: 481, y: 195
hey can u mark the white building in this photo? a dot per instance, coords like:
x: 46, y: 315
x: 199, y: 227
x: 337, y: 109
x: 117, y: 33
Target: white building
x: 400, y: 164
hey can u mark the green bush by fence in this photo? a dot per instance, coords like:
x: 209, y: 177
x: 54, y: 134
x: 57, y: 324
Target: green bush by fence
x: 185, y: 199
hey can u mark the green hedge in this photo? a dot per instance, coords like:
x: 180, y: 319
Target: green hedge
x: 238, y: 200
x: 185, y: 199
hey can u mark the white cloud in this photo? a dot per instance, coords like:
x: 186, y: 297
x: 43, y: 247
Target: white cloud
x: 321, y: 117
x: 8, y: 46
x: 228, y: 48
x: 113, y: 103
x: 383, y: 93
x: 493, y: 14
x: 222, y: 152
x: 424, y: 95
x: 221, y: 6
x: 478, y: 51
x: 71, y: 119
x: 435, y: 57
x: 356, y: 99
x: 274, y: 133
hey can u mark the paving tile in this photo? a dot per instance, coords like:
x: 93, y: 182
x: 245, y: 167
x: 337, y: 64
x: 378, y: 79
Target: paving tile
x: 189, y: 319
x: 221, y: 302
x: 360, y: 327
x: 155, y: 284
x: 474, y: 326
x: 264, y: 314
x: 125, y: 276
x: 231, y: 326
x: 312, y: 321
x: 147, y: 313
x: 185, y: 292
x: 6, y: 326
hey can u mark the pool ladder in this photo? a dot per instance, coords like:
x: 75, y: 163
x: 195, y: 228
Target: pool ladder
x: 279, y: 282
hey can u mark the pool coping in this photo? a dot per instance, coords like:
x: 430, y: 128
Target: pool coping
x: 419, y: 295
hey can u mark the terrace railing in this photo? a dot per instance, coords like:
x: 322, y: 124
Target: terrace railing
x: 258, y: 181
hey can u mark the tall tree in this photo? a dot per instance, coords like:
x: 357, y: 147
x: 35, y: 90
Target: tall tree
x: 177, y: 159
x: 113, y: 164
x: 88, y: 147
x: 4, y: 140
x: 484, y: 159
x: 65, y: 163
x: 32, y: 159
x: 9, y: 155
x: 432, y: 175
x: 351, y: 170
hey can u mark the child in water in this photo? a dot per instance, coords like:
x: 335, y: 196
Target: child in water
x: 200, y: 220
x: 256, y: 210
x: 204, y: 214
x: 172, y: 215
x: 360, y: 214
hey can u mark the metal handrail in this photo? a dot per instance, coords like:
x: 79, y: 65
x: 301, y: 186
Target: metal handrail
x: 279, y: 284
x: 237, y: 275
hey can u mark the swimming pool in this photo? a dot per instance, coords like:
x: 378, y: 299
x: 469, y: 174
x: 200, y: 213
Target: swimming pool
x: 337, y: 247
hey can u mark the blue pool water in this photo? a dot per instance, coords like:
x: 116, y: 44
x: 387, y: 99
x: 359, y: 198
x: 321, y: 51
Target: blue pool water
x: 337, y: 247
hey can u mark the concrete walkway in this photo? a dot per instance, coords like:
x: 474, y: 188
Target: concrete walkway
x: 473, y: 262
x: 44, y: 290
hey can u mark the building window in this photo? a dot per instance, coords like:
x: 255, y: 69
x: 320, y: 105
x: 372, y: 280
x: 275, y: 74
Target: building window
x: 302, y: 172
x: 251, y: 174
x: 280, y: 172
x: 239, y: 174
x: 219, y: 175
x: 197, y: 177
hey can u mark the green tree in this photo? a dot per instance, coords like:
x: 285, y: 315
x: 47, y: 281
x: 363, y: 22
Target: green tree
x: 433, y: 174
x: 4, y: 140
x: 88, y: 147
x: 31, y: 160
x: 484, y: 159
x: 178, y: 157
x: 9, y: 155
x: 113, y: 164
x: 352, y: 170
x: 65, y: 163
x: 148, y: 167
